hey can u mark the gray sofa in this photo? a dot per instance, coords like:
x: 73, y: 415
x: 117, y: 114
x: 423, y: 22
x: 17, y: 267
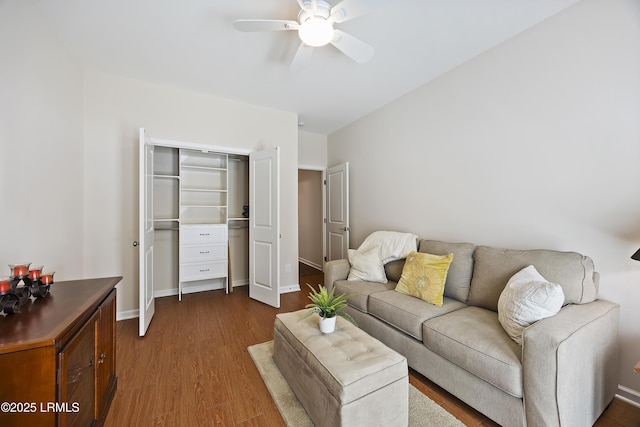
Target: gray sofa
x: 563, y: 374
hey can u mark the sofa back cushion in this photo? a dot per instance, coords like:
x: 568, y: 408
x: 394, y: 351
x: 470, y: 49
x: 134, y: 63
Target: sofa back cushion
x: 494, y: 267
x: 393, y: 269
x: 460, y: 270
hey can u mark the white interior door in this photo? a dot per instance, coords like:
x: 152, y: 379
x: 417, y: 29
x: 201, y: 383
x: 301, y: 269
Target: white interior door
x: 146, y: 230
x: 264, y: 226
x: 337, y: 212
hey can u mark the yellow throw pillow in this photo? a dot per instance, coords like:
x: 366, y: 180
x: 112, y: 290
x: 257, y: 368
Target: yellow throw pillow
x: 424, y: 275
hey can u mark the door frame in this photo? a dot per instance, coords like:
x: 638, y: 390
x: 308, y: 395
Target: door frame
x: 324, y: 203
x: 324, y: 207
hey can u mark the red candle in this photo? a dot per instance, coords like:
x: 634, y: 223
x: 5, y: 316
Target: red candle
x: 4, y: 284
x: 19, y: 270
x: 34, y: 273
x: 47, y: 279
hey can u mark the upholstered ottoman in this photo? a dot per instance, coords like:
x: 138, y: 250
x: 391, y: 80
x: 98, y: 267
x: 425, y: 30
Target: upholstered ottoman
x: 345, y: 378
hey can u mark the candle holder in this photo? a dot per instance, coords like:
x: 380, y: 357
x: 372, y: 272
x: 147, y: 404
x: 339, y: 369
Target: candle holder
x: 20, y: 270
x: 40, y: 286
x: 24, y: 282
x: 9, y: 300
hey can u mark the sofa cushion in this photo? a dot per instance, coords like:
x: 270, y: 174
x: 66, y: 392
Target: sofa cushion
x: 527, y: 298
x: 407, y: 313
x: 461, y: 269
x: 393, y: 269
x: 366, y: 266
x: 494, y: 267
x: 424, y: 275
x: 473, y: 339
x: 360, y: 291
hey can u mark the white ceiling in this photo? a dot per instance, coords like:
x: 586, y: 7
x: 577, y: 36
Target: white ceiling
x: 191, y: 44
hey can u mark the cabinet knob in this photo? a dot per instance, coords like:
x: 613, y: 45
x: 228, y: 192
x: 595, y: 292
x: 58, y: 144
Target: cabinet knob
x: 135, y: 243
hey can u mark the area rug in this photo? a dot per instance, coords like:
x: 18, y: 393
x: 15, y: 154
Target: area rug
x: 423, y: 412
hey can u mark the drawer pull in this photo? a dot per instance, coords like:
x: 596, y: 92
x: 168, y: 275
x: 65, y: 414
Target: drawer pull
x: 204, y: 234
x: 204, y: 252
x: 204, y: 271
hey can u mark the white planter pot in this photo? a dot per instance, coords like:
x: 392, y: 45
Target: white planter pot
x: 327, y: 324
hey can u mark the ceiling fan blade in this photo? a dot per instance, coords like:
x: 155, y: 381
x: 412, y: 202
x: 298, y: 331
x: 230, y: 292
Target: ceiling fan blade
x: 301, y: 58
x: 349, y: 9
x: 354, y: 48
x: 265, y: 25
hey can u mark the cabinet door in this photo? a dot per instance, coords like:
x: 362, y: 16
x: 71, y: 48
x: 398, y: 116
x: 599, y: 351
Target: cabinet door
x: 77, y: 387
x: 105, y: 355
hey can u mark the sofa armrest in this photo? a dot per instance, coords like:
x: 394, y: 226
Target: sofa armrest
x: 335, y: 270
x: 570, y: 364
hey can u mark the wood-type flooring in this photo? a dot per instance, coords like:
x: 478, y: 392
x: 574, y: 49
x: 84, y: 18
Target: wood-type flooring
x: 192, y: 368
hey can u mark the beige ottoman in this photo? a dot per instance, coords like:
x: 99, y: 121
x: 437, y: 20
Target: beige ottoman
x: 346, y: 378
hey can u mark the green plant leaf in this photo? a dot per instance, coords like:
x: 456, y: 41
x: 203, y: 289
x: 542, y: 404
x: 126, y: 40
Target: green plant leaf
x: 326, y: 304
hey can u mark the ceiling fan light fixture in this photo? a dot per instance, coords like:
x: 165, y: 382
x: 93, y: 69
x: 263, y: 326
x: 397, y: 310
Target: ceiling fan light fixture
x: 316, y: 31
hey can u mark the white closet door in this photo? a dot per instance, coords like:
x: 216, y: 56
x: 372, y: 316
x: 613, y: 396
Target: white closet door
x: 264, y: 226
x: 337, y: 212
x: 146, y: 238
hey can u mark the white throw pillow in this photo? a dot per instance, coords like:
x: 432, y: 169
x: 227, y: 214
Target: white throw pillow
x: 527, y: 298
x: 366, y: 266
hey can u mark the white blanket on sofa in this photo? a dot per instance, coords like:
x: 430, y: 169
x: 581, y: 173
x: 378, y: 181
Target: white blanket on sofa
x: 392, y: 245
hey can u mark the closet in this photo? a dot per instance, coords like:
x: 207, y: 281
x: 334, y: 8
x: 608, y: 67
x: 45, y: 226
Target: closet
x: 200, y: 232
x: 195, y: 229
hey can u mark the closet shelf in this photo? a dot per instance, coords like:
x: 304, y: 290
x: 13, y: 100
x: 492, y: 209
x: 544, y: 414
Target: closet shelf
x: 204, y: 168
x: 204, y: 189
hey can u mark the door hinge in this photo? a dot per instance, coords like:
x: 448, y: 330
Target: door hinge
x: 325, y: 259
x: 325, y: 220
x: 324, y: 182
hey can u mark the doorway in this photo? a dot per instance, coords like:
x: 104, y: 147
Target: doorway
x: 310, y: 218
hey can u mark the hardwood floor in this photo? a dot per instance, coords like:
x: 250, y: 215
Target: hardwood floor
x: 193, y: 368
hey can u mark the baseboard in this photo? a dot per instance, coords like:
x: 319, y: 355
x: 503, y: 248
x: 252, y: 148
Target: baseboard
x: 310, y: 263
x: 291, y: 288
x: 628, y: 395
x: 165, y: 293
x: 126, y: 315
x: 242, y: 282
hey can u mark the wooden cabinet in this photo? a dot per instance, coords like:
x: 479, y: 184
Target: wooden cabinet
x: 77, y: 378
x: 57, y: 356
x: 105, y: 356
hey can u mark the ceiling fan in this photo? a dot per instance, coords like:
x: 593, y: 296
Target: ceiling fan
x: 315, y: 28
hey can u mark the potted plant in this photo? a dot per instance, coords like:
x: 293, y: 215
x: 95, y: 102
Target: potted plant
x: 328, y: 306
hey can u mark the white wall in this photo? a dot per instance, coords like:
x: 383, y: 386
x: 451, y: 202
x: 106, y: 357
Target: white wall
x: 534, y: 144
x: 312, y: 158
x: 115, y: 108
x: 312, y: 150
x: 41, y: 169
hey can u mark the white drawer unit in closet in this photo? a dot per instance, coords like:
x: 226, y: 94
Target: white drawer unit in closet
x: 203, y: 253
